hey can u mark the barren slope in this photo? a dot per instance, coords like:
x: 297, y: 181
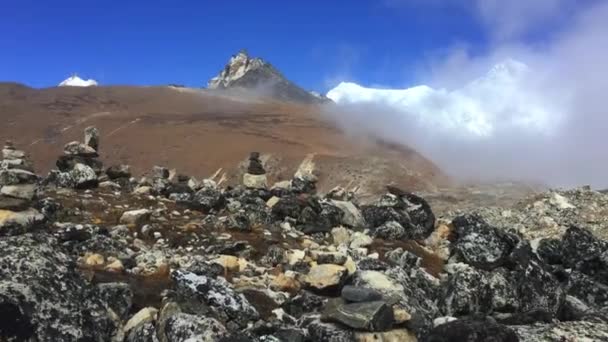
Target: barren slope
x: 197, y: 131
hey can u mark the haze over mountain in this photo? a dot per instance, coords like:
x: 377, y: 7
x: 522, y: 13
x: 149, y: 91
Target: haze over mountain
x: 474, y: 110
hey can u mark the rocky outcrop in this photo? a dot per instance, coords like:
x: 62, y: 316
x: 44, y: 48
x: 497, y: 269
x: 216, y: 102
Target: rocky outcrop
x: 43, y: 298
x: 18, y: 190
x: 172, y: 258
x: 78, y: 166
x: 258, y: 76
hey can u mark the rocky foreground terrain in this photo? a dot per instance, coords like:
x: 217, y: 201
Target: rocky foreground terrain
x: 91, y: 253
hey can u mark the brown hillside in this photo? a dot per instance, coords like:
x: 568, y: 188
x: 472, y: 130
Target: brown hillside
x: 197, y: 132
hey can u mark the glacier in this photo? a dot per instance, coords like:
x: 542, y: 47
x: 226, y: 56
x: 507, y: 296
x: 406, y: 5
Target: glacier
x: 503, y: 99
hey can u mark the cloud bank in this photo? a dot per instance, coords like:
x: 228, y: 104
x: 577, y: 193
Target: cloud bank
x: 549, y: 125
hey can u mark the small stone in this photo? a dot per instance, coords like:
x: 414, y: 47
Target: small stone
x: 109, y: 185
x: 17, y: 176
x: 22, y: 221
x: 443, y: 320
x: 341, y: 236
x: 286, y: 282
x: 13, y: 204
x: 255, y: 181
x: 360, y: 294
x: 401, y: 315
x: 272, y: 201
x: 397, y: 335
x: 390, y: 230
x: 229, y: 262
x: 368, y: 316
x: 295, y: 255
x: 142, y: 190
x: 91, y: 137
x: 11, y: 153
x: 160, y: 172
x: 359, y: 239
x: 135, y: 217
x: 115, y: 266
x: 75, y: 148
x: 142, y: 316
x: 352, y: 216
x: 326, y: 277
x: 22, y: 191
x: 94, y: 259
x: 118, y: 171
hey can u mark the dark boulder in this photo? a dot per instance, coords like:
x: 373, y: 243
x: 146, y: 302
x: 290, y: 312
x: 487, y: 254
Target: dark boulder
x: 359, y: 294
x: 255, y: 166
x: 464, y: 330
x: 207, y: 199
x: 303, y: 303
x: 367, y: 316
x: 225, y: 303
x: 44, y: 298
x: 118, y: 171
x: 66, y: 163
x: 479, y: 244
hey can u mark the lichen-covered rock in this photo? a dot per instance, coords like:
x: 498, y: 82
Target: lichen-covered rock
x: 183, y: 327
x: 563, y: 331
x: 390, y: 230
x: 145, y: 332
x: 304, y: 303
x: 43, y: 298
x: 80, y: 176
x: 481, y: 245
x: 22, y: 191
x: 328, y: 332
x: 118, y: 297
x: 207, y: 199
x: 66, y: 163
x: 19, y: 222
x: 17, y: 176
x: 464, y: 330
x: 465, y: 292
x: 218, y: 294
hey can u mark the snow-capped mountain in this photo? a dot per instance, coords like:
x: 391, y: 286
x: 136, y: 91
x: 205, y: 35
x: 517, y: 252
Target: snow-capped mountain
x: 502, y: 97
x: 75, y: 81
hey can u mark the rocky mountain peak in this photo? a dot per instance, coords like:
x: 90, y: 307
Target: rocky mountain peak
x: 255, y: 74
x: 238, y: 66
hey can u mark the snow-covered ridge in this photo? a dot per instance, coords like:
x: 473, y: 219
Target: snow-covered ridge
x: 503, y: 97
x: 75, y: 81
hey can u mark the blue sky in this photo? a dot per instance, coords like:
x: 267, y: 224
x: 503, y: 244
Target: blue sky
x: 314, y: 43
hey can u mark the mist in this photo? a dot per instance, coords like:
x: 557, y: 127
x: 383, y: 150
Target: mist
x: 551, y: 130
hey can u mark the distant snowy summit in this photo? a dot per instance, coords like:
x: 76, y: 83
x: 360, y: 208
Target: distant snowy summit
x: 501, y: 98
x: 75, y: 81
x: 258, y: 76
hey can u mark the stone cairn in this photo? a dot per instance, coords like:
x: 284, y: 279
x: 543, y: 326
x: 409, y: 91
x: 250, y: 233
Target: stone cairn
x: 78, y: 166
x: 255, y: 177
x: 18, y: 190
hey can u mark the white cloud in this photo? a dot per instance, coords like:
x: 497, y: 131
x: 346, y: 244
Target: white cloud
x: 503, y: 19
x: 568, y: 78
